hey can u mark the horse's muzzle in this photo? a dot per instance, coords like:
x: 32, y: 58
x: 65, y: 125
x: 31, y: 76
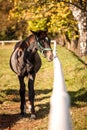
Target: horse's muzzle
x: 50, y: 59
x: 50, y: 56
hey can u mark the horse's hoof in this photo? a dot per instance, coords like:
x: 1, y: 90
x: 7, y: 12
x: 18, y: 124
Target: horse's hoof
x: 23, y: 114
x: 33, y: 116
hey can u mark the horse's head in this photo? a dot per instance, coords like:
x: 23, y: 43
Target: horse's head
x: 43, y: 44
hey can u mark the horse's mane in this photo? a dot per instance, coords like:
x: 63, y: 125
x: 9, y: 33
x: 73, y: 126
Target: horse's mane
x: 23, y: 44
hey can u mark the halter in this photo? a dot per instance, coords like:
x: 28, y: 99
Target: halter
x: 40, y: 47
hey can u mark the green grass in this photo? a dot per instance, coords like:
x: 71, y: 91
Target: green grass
x: 75, y: 73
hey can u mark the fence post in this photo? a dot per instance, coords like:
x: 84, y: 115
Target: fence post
x: 59, y: 116
x: 3, y: 43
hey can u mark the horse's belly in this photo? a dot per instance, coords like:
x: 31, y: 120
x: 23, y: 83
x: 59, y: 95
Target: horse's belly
x: 13, y: 62
x: 17, y: 64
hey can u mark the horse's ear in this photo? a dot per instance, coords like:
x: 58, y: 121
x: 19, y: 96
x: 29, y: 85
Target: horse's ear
x: 46, y: 30
x: 39, y: 31
x: 35, y: 33
x: 32, y: 31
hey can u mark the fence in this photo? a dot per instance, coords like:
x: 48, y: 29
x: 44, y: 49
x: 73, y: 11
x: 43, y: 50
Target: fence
x: 14, y: 41
x: 59, y: 117
x: 8, y: 41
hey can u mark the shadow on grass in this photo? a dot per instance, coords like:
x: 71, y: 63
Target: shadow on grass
x: 44, y: 105
x: 7, y: 121
x: 79, y: 58
x: 78, y: 98
x: 10, y: 91
x: 45, y: 91
x: 10, y: 95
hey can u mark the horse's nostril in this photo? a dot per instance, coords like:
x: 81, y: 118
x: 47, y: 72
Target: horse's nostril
x: 50, y: 58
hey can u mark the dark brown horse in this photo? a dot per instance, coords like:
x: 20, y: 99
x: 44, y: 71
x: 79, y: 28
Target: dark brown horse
x: 25, y: 61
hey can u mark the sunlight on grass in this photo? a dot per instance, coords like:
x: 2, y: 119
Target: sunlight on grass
x: 75, y: 74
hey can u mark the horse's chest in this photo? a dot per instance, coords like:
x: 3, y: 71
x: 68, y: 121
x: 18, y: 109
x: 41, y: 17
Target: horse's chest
x: 24, y: 66
x: 37, y: 63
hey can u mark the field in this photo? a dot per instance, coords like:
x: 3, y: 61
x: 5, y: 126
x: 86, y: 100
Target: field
x: 75, y: 73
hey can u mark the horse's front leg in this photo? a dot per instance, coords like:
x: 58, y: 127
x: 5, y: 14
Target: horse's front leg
x: 31, y: 80
x: 22, y: 94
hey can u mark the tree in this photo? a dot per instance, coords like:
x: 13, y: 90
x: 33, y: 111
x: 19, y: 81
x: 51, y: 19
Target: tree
x: 79, y: 10
x: 40, y: 9
x: 13, y: 24
x: 81, y: 17
x: 23, y: 15
x: 4, y: 11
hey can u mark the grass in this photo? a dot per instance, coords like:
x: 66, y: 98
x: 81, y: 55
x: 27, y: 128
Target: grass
x: 75, y: 73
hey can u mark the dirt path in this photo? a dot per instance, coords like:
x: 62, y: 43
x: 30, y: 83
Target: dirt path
x: 11, y: 120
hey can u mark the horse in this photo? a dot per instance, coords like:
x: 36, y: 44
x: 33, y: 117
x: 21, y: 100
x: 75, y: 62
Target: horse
x: 25, y: 61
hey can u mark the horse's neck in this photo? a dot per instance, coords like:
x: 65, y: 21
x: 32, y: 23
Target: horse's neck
x: 27, y: 42
x: 23, y: 45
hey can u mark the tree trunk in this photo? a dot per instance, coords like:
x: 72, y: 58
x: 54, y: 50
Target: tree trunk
x: 81, y: 18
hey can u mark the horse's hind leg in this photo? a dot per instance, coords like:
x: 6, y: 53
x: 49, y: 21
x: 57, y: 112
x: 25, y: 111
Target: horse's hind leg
x: 31, y: 95
x: 22, y: 94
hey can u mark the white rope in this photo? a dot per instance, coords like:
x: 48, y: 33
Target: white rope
x: 59, y: 117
